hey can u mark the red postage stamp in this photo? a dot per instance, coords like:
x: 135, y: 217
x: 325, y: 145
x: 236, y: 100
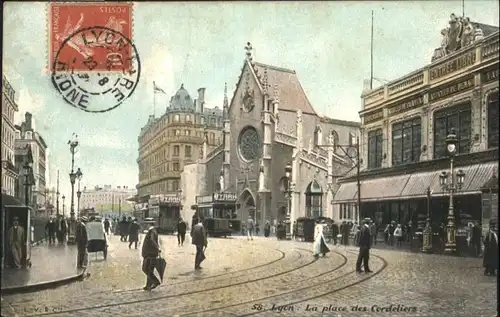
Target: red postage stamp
x: 67, y: 19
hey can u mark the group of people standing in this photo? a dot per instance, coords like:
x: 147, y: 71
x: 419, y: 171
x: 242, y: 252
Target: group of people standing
x: 56, y: 227
x: 129, y: 230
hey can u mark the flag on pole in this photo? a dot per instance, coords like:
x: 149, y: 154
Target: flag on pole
x: 158, y: 89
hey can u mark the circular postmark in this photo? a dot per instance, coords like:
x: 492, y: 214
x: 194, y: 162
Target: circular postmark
x: 96, y: 69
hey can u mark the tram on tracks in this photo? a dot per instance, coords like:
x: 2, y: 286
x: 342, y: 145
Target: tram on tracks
x: 169, y: 214
x: 305, y: 228
x: 219, y: 213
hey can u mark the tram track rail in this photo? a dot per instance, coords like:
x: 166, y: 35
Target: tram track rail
x: 156, y: 298
x: 240, y: 272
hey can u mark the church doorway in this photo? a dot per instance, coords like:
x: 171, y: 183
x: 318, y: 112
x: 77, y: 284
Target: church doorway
x: 247, y: 206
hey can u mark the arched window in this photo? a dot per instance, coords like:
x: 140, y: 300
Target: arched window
x: 188, y: 118
x: 314, y: 200
x: 177, y: 118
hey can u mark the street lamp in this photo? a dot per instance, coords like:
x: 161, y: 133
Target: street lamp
x: 451, y: 182
x: 72, y: 177
x: 427, y: 234
x: 63, y: 198
x: 79, y: 176
x: 287, y: 187
x: 27, y: 182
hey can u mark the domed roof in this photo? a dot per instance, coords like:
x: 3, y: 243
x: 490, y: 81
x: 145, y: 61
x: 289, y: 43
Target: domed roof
x: 182, y: 99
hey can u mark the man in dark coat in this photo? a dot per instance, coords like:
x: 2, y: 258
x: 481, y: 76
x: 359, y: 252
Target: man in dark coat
x: 123, y: 225
x: 335, y: 232
x: 150, y: 252
x: 82, y: 241
x: 345, y: 232
x: 51, y: 228
x: 181, y: 231
x: 364, y: 247
x: 490, y: 257
x: 133, y: 233
x: 106, y: 226
x: 476, y: 239
x: 199, y: 239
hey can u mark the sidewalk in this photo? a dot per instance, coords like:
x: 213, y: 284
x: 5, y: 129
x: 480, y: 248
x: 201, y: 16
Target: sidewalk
x: 52, y: 265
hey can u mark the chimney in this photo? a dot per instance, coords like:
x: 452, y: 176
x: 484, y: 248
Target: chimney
x: 201, y: 98
x: 27, y: 119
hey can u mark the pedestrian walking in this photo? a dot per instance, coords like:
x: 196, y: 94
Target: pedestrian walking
x: 181, y: 231
x: 335, y: 232
x: 62, y: 227
x: 364, y: 248
x: 150, y: 252
x: 133, y: 233
x: 81, y: 239
x: 267, y: 229
x: 123, y: 227
x: 17, y: 241
x: 199, y: 239
x: 476, y: 239
x: 490, y: 255
x: 250, y: 228
x: 356, y: 232
x: 398, y: 235
x: 373, y: 233
x: 106, y: 226
x: 319, y: 245
x: 257, y: 228
x: 51, y: 228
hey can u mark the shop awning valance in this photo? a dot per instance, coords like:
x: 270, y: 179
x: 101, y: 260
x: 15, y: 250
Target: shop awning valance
x: 415, y: 185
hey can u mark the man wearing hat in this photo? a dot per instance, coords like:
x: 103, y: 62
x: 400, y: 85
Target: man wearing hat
x: 490, y: 256
x: 364, y: 247
x: 82, y: 241
x: 17, y: 239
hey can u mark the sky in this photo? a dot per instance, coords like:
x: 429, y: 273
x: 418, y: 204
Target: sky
x: 202, y: 45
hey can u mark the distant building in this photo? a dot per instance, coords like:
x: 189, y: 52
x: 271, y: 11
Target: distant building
x: 175, y: 139
x: 24, y: 162
x: 107, y: 198
x: 26, y: 135
x: 9, y: 108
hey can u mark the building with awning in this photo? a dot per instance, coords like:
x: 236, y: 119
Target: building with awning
x: 404, y: 125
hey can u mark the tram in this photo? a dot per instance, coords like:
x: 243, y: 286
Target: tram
x: 305, y: 228
x: 219, y: 213
x: 169, y: 214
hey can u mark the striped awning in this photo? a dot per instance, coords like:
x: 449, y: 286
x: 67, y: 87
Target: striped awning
x: 372, y: 189
x: 415, y: 185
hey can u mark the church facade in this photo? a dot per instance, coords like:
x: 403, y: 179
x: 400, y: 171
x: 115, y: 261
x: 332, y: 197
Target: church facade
x: 268, y: 124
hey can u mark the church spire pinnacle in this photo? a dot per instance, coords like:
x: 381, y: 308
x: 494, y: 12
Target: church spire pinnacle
x: 248, y: 49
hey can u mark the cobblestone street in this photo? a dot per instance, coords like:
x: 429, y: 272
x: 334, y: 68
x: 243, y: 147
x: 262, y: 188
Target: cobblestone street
x: 266, y: 277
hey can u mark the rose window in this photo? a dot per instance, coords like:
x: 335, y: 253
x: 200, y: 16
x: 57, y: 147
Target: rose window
x: 249, y: 144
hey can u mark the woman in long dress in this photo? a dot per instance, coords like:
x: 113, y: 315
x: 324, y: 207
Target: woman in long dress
x: 319, y: 245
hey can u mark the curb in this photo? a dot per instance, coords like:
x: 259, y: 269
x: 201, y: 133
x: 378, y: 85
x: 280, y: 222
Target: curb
x: 44, y: 285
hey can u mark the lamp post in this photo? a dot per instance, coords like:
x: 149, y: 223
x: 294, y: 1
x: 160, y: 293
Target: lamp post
x: 63, y: 198
x: 46, y: 201
x: 27, y: 182
x: 288, y: 188
x: 57, y: 195
x: 451, y: 182
x: 79, y: 176
x: 427, y: 234
x: 72, y: 177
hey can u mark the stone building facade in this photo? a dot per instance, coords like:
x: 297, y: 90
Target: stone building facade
x: 173, y: 140
x: 405, y: 124
x: 26, y: 135
x: 268, y: 123
x: 107, y: 198
x: 9, y: 108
